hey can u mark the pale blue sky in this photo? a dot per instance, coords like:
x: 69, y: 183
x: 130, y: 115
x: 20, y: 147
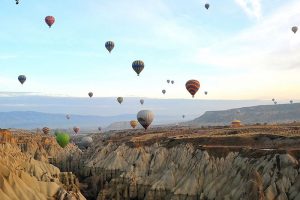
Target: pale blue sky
x: 238, y: 49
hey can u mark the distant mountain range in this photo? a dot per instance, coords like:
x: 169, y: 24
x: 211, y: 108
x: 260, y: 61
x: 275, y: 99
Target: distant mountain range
x: 33, y: 120
x: 250, y: 115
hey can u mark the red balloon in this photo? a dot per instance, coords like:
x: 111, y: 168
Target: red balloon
x: 192, y: 86
x: 49, y: 20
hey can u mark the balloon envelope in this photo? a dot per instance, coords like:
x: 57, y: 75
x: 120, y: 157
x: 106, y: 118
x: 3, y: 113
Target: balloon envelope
x: 192, y: 86
x: 63, y: 139
x: 145, y: 118
x: 120, y: 100
x: 133, y: 123
x: 76, y: 129
x: 22, y: 79
x: 142, y: 101
x: 49, y: 20
x: 138, y: 66
x: 86, y: 141
x: 206, y: 5
x: 46, y: 130
x: 109, y: 45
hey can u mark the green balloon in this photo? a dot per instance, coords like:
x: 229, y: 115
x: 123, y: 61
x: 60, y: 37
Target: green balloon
x: 63, y: 139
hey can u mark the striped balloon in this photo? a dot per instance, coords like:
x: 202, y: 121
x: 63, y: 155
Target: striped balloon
x: 192, y: 86
x: 138, y: 66
x: 75, y: 129
x: 49, y: 20
x: 46, y: 130
x: 145, y: 118
x: 109, y: 45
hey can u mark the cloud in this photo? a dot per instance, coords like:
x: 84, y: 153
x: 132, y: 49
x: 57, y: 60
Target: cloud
x: 269, y: 44
x: 251, y: 7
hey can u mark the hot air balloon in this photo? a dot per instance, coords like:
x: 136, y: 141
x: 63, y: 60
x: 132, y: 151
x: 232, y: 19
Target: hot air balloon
x: 138, y: 66
x: 168, y: 81
x: 206, y: 5
x: 275, y: 102
x: 109, y: 45
x: 163, y: 91
x: 133, y: 123
x: 172, y: 82
x: 142, y: 101
x: 291, y: 101
x: 120, y: 100
x: 49, y: 20
x: 22, y: 79
x: 192, y: 86
x: 63, y: 139
x: 183, y: 116
x: 145, y: 118
x: 99, y: 128
x: 17, y: 1
x: 68, y: 116
x: 86, y: 141
x: 90, y: 94
x: 76, y: 129
x: 273, y: 99
x: 295, y: 29
x: 46, y: 130
x: 205, y: 92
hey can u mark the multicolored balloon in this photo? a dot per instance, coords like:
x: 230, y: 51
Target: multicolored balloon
x: 46, y: 130
x: 22, y: 79
x: 133, y: 123
x: 49, y: 20
x: 120, y: 100
x: 109, y: 45
x: 76, y: 129
x: 145, y: 118
x: 192, y: 87
x: 138, y: 66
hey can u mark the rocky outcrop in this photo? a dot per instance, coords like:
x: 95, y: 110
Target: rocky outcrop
x: 26, y: 174
x: 113, y: 171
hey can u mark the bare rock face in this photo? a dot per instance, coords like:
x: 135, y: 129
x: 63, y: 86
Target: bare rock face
x: 26, y: 174
x: 117, y: 171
